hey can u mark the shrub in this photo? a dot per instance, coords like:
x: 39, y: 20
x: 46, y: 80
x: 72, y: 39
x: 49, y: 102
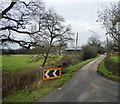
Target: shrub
x: 69, y: 59
x: 101, y: 50
x: 65, y: 61
x: 16, y: 81
x: 88, y: 52
x: 112, y: 66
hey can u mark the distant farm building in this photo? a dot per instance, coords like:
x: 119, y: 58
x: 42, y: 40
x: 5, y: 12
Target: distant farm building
x: 73, y: 49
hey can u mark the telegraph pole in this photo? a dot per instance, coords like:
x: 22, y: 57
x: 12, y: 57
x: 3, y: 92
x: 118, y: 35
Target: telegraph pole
x: 107, y: 46
x: 119, y: 30
x: 76, y: 41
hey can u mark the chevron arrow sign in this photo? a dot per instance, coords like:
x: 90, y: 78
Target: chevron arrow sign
x: 51, y: 73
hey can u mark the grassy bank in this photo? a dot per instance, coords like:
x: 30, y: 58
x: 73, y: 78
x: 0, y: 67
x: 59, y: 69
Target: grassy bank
x: 0, y: 62
x: 42, y: 88
x: 115, y: 58
x: 102, y: 69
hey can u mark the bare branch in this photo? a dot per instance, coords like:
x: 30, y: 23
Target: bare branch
x: 8, y: 8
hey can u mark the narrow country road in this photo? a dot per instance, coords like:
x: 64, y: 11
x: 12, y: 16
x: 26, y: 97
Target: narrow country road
x: 85, y: 86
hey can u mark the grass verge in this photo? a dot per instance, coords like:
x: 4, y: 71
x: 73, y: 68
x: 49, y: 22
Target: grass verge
x: 114, y: 58
x: 102, y: 70
x: 42, y: 88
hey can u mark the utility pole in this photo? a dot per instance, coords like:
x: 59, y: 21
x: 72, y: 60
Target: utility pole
x: 76, y: 41
x: 107, y: 46
x: 119, y: 30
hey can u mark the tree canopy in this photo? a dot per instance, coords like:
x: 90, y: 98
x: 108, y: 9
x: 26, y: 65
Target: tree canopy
x: 31, y: 21
x: 38, y: 26
x: 110, y: 19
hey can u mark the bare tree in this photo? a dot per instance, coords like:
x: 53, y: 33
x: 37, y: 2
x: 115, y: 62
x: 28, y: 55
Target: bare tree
x: 94, y: 41
x: 53, y: 34
x: 43, y: 28
x: 17, y: 18
x: 109, y: 18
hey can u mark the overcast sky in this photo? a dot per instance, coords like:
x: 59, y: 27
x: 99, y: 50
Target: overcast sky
x: 81, y: 15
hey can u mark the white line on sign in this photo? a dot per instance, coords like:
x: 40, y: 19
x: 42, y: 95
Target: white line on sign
x: 46, y: 74
x: 54, y: 73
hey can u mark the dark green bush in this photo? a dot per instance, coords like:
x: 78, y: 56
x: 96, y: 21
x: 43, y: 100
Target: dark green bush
x: 89, y: 52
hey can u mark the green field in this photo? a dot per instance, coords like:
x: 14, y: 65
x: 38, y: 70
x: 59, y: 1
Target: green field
x: 22, y: 62
x: 114, y: 58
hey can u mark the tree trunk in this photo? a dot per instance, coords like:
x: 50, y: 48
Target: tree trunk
x: 59, y: 51
x: 45, y: 59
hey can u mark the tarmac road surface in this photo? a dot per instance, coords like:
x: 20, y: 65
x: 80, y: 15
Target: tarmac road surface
x: 85, y: 86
